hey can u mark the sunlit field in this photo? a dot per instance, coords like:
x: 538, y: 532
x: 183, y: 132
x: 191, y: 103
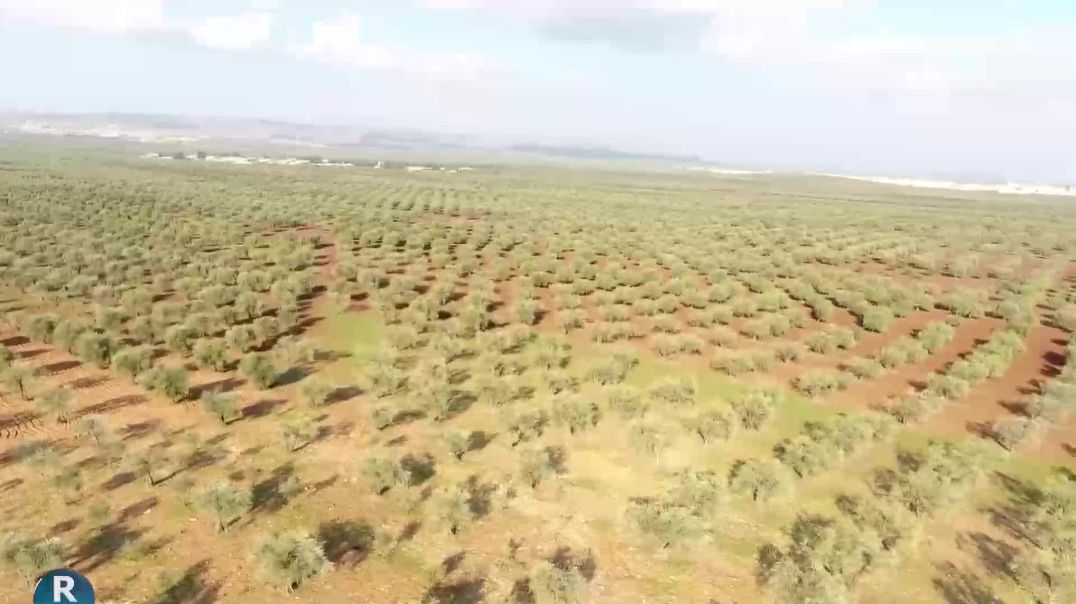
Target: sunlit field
x: 532, y: 384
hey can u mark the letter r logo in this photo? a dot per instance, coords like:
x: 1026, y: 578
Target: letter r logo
x: 62, y: 587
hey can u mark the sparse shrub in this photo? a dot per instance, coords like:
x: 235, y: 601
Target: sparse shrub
x: 720, y: 336
x: 877, y: 319
x: 864, y: 368
x: 172, y: 382
x: 627, y: 402
x: 713, y: 425
x: 95, y: 348
x: 552, y: 584
x: 666, y: 345
x: 805, y: 455
x: 673, y: 390
x: 31, y: 557
x: 789, y: 353
x: 56, y: 402
x: 526, y: 425
x: 755, y: 409
x: 535, y: 465
x: 297, y: 431
x: 818, y: 383
x: 226, y: 502
x: 733, y: 363
x: 133, y: 360
x: 647, y: 438
x: 211, y: 354
x: 948, y: 386
x: 1011, y: 432
x: 575, y: 413
x: 667, y: 523
x: 315, y: 391
x: 290, y: 558
x: 383, y: 474
x: 761, y: 480
x: 259, y: 370
x: 220, y: 405
x: 913, y: 408
x: 383, y: 415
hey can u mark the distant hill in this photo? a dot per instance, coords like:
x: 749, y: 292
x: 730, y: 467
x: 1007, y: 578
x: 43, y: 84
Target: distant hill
x: 151, y: 128
x: 597, y: 153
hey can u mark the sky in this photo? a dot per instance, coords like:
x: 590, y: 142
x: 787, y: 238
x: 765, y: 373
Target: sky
x: 960, y: 88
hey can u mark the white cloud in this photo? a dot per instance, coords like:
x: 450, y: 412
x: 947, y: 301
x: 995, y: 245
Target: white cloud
x: 100, y: 16
x: 340, y: 42
x: 1002, y: 62
x: 240, y: 32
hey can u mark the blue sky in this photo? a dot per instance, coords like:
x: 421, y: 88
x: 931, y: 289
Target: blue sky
x: 881, y: 86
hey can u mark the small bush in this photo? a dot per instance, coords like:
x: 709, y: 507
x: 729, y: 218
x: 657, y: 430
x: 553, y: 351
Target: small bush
x: 818, y: 383
x: 627, y: 402
x: 877, y: 319
x: 864, y: 368
x: 290, y: 558
x: 947, y: 386
x: 713, y: 425
x: 756, y: 408
x: 1011, y: 432
x: 761, y: 480
x: 675, y: 391
x: 733, y: 363
x: 259, y: 370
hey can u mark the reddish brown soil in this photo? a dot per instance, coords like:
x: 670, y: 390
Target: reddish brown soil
x: 1003, y: 397
x: 871, y: 394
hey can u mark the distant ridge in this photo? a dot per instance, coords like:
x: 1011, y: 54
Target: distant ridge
x: 597, y: 153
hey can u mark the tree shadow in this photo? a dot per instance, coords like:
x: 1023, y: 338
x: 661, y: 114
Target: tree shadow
x: 409, y: 531
x: 112, y: 404
x: 224, y: 385
x: 996, y: 556
x: 468, y: 591
x: 261, y: 408
x: 566, y: 559
x: 106, y: 543
x: 291, y: 376
x: 1013, y: 515
x: 56, y: 368
x: 118, y: 480
x: 342, y: 394
x: 557, y: 456
x: 140, y: 429
x: 961, y: 587
x: 190, y: 588
x: 62, y: 527
x: 87, y: 382
x: 137, y: 508
x: 268, y: 495
x: 980, y: 429
x: 522, y: 593
x: 477, y: 440
x: 451, y: 563
x: 479, y: 497
x: 420, y: 468
x: 346, y: 542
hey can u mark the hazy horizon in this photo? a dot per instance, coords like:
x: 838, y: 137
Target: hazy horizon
x: 882, y: 87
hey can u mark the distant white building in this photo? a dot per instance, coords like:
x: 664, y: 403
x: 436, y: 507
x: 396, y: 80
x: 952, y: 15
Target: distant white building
x: 417, y: 168
x: 380, y: 165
